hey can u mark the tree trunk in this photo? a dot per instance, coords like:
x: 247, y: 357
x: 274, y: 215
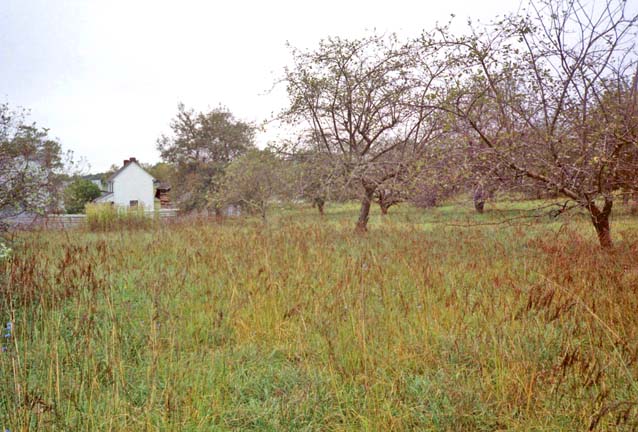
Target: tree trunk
x: 320, y: 202
x: 479, y: 205
x: 479, y: 199
x: 384, y: 203
x: 600, y: 219
x: 219, y: 217
x: 364, y: 212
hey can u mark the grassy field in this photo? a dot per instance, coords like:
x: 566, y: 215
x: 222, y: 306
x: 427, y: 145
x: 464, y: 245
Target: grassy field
x: 423, y: 323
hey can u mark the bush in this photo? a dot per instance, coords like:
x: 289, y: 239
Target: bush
x: 78, y: 194
x: 5, y: 251
x: 107, y: 217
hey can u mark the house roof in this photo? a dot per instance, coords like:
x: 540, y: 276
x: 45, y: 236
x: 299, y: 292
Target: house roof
x: 127, y: 162
x: 103, y: 197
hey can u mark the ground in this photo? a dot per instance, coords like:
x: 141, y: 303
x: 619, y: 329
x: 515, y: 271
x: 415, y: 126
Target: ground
x: 439, y: 320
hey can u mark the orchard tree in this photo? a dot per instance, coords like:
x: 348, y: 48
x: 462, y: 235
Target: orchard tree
x: 31, y: 166
x: 253, y: 181
x: 362, y: 99
x: 200, y: 148
x: 314, y: 174
x: 533, y: 89
x: 619, y: 112
x: 400, y: 173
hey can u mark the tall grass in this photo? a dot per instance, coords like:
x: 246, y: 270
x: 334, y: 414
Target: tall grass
x: 107, y: 217
x: 302, y: 325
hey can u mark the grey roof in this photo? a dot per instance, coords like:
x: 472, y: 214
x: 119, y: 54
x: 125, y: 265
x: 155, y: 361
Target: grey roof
x: 104, y: 195
x: 116, y: 173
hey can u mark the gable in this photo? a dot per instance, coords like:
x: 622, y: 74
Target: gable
x: 129, y: 168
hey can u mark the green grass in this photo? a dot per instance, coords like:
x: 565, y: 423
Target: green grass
x: 107, y: 217
x: 299, y: 324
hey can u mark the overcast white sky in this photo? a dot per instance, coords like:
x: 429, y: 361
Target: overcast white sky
x: 106, y: 76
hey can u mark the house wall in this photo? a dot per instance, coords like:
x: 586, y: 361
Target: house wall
x: 133, y: 183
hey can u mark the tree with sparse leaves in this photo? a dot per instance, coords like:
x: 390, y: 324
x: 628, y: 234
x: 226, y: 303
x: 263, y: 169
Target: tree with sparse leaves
x: 533, y: 90
x: 313, y: 173
x: 253, y: 181
x: 363, y: 99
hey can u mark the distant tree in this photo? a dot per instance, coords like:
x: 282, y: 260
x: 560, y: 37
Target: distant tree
x: 389, y: 196
x: 108, y: 173
x: 252, y: 181
x: 313, y: 173
x: 397, y: 187
x: 200, y: 148
x: 31, y: 166
x: 78, y: 193
x: 161, y: 171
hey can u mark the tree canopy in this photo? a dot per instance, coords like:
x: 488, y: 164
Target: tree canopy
x: 200, y: 148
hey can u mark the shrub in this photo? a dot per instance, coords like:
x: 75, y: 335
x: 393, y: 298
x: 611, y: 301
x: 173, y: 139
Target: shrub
x: 5, y: 251
x: 78, y: 194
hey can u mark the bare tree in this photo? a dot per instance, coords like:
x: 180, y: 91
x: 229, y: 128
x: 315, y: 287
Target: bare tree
x: 535, y: 89
x: 362, y: 100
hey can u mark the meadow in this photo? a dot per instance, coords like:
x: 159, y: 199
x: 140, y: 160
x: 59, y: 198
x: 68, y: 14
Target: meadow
x: 434, y: 320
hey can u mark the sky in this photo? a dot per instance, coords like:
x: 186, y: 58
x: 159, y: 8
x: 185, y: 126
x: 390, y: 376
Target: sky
x: 106, y: 76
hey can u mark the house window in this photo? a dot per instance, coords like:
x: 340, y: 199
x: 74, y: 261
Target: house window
x: 133, y: 203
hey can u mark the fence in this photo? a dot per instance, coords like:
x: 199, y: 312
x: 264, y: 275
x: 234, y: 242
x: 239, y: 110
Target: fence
x: 66, y: 221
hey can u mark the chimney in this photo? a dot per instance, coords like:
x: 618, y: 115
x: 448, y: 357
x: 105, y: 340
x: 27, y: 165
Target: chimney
x: 125, y: 162
x: 132, y: 159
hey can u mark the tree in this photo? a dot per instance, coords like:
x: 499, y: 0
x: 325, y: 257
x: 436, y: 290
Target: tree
x: 533, y: 87
x: 200, y: 148
x: 31, y: 165
x: 78, y: 193
x: 161, y: 171
x: 252, y: 181
x: 314, y: 175
x: 399, y: 186
x: 363, y: 99
x: 620, y: 115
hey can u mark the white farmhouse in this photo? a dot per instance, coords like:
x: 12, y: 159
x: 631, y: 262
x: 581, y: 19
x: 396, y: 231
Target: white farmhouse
x: 130, y: 186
